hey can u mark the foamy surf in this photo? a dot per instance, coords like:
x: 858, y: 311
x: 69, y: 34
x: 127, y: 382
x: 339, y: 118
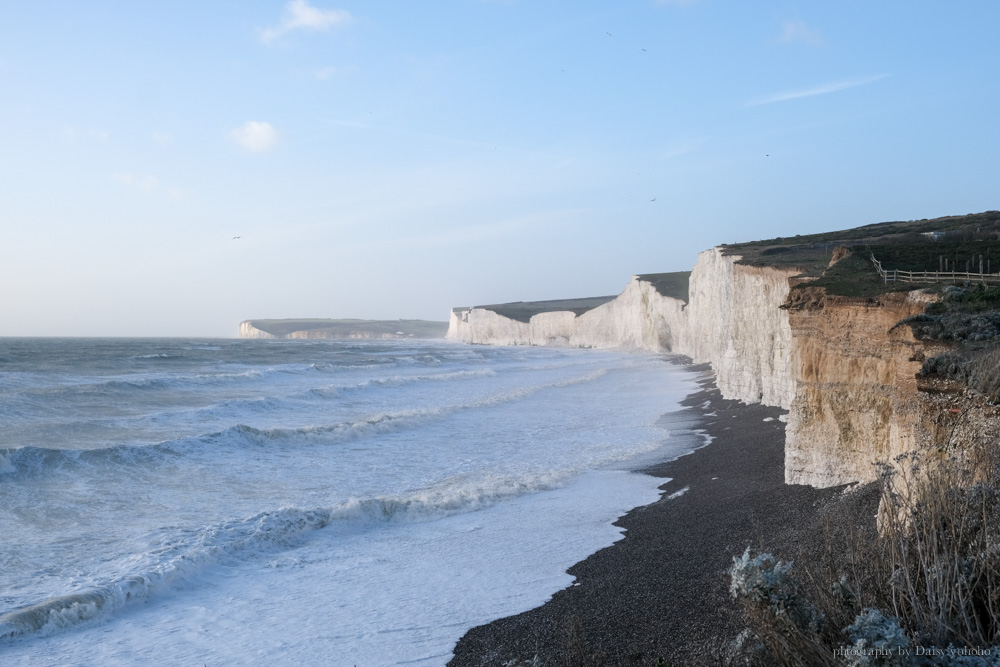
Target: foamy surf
x: 364, y: 503
x: 178, y: 559
x: 241, y: 436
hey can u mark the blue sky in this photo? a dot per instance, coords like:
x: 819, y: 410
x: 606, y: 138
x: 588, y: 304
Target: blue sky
x: 394, y: 159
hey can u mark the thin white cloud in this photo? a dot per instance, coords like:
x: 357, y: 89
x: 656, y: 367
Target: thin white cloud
x: 682, y: 148
x: 147, y: 182
x: 799, y: 32
x: 299, y: 15
x: 73, y: 134
x: 815, y: 90
x: 409, y: 133
x: 324, y: 73
x: 255, y: 136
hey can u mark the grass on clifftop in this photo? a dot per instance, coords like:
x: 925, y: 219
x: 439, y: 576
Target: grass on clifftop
x: 898, y: 245
x: 674, y: 285
x: 523, y: 310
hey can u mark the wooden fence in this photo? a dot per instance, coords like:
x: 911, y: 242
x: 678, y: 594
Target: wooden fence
x: 893, y: 275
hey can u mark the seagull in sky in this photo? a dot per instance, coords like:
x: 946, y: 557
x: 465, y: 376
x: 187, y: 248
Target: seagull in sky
x: 237, y: 237
x: 608, y: 34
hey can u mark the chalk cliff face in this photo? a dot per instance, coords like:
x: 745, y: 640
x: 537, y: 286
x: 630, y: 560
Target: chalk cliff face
x: 248, y: 330
x: 325, y: 335
x: 735, y: 322
x: 639, y: 318
x: 484, y: 327
x: 842, y: 368
x: 343, y: 329
x: 856, y: 396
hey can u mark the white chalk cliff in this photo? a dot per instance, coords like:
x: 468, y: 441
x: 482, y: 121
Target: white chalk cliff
x: 732, y: 320
x: 248, y: 330
x: 840, y: 366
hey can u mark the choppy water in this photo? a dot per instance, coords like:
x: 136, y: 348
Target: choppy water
x: 286, y: 502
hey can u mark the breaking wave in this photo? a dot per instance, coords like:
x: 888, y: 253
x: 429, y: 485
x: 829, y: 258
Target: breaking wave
x: 178, y: 558
x: 41, y: 460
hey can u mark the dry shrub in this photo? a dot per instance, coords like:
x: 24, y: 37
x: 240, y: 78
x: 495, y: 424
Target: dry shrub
x: 929, y: 580
x: 985, y: 374
x: 942, y: 539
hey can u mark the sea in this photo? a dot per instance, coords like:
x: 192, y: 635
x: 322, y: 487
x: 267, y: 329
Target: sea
x: 288, y: 502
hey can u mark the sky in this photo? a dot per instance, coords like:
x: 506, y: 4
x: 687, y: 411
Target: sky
x: 173, y: 168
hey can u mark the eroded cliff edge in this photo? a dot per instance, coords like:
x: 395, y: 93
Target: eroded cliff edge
x: 842, y: 367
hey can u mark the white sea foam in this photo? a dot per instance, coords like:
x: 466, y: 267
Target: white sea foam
x: 678, y: 493
x: 178, y: 559
x: 409, y: 491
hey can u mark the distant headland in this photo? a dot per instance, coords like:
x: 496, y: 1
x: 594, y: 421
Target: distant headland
x: 343, y: 329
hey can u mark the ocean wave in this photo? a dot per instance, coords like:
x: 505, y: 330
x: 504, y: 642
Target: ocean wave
x: 181, y: 381
x: 40, y: 460
x: 178, y: 558
x: 119, y: 385
x: 228, y: 408
x: 31, y: 460
x: 333, y: 390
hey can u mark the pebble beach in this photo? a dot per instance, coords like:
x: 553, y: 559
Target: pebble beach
x: 662, y: 592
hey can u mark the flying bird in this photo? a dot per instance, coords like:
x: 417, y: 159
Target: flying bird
x: 237, y: 237
x: 608, y: 34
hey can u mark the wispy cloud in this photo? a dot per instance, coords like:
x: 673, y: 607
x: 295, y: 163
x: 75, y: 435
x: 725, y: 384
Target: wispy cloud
x: 73, y: 134
x: 147, y: 182
x: 326, y: 73
x: 799, y: 32
x: 409, y: 133
x: 300, y: 15
x: 682, y: 148
x: 255, y: 136
x: 822, y: 89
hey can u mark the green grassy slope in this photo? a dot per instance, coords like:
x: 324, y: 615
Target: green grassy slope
x: 898, y: 245
x: 674, y: 285
x: 523, y: 310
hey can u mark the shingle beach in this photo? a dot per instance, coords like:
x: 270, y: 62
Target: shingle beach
x: 663, y: 590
